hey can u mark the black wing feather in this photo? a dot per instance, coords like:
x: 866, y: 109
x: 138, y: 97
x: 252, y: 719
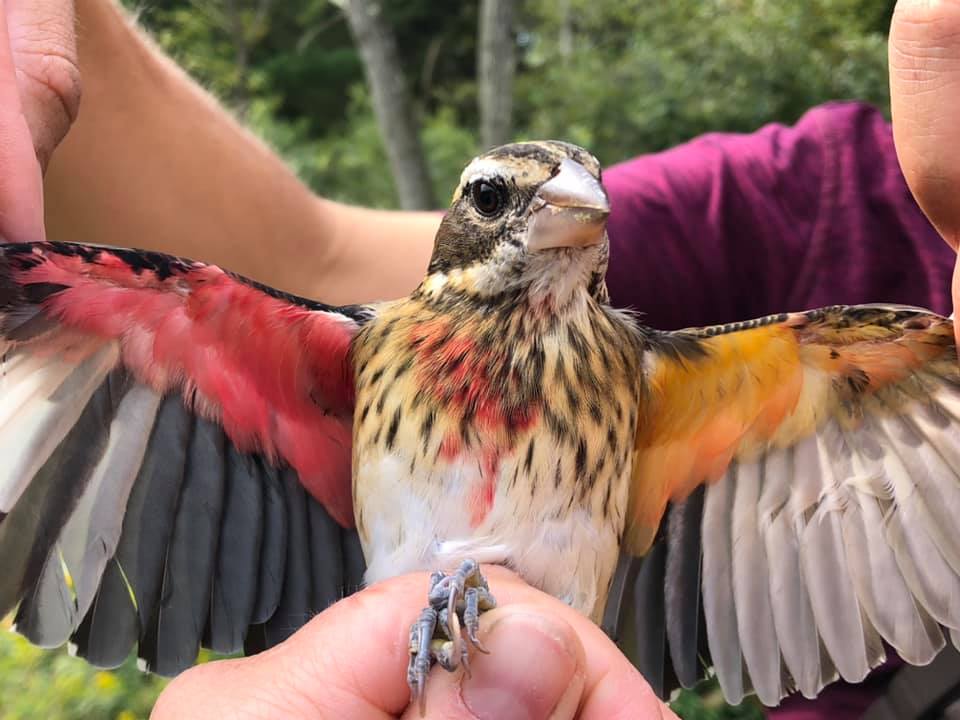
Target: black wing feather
x: 273, y: 546
x: 682, y: 587
x: 327, y: 552
x: 296, y: 601
x: 654, y: 610
x: 650, y: 619
x: 172, y: 643
x: 238, y: 561
x: 143, y: 547
x: 354, y: 565
x: 110, y: 629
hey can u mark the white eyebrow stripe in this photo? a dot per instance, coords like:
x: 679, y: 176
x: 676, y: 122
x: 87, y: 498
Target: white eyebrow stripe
x: 481, y: 168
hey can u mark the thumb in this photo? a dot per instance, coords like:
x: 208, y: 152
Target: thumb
x: 924, y: 51
x: 21, y: 189
x: 924, y: 54
x: 535, y: 671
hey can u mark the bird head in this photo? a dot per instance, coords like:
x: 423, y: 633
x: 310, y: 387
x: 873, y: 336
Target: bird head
x: 528, y: 220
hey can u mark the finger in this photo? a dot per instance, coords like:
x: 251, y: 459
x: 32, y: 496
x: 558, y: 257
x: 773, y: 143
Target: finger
x: 623, y: 694
x: 955, y: 292
x: 44, y: 46
x: 924, y: 54
x: 251, y: 689
x: 348, y: 661
x: 535, y: 671
x: 614, y: 689
x: 21, y: 195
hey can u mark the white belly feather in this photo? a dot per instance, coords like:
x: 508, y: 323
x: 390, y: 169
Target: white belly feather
x: 425, y: 523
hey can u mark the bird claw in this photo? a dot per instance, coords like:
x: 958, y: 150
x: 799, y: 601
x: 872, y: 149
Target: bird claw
x: 421, y: 654
x: 455, y: 601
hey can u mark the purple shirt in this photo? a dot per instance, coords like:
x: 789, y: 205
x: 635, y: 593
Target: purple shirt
x: 729, y: 227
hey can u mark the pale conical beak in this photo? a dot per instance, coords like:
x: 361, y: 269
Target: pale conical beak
x: 569, y: 210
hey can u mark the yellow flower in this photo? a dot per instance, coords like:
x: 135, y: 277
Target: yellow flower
x: 106, y: 681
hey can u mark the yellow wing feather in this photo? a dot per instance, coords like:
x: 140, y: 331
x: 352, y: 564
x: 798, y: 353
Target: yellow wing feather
x: 770, y: 385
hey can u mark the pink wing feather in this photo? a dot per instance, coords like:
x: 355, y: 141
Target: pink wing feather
x: 158, y: 418
x: 271, y: 369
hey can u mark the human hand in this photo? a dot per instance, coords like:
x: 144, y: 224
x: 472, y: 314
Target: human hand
x: 39, y: 98
x: 546, y: 661
x: 924, y: 53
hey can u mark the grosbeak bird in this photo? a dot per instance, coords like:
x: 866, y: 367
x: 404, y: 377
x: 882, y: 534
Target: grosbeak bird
x: 772, y: 499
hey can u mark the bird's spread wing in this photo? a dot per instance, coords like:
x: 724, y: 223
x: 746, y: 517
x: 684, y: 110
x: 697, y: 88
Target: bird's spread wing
x: 174, y: 454
x: 799, y: 475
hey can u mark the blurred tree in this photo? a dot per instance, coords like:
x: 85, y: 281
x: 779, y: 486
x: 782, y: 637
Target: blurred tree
x: 392, y: 102
x: 246, y: 26
x: 496, y: 62
x: 230, y: 30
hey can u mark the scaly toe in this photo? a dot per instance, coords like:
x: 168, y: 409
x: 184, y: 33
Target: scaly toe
x: 421, y: 655
x: 455, y: 600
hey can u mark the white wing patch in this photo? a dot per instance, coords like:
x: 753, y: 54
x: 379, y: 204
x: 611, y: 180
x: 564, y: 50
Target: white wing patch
x: 813, y: 555
x: 40, y: 400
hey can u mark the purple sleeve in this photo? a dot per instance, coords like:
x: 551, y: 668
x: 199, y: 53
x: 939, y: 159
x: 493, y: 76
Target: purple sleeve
x: 729, y: 227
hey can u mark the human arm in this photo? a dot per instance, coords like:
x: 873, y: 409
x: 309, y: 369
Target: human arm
x: 153, y: 161
x: 348, y: 662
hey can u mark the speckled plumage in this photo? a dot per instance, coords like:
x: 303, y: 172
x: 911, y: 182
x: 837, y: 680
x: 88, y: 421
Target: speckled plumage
x: 495, y: 405
x: 503, y: 429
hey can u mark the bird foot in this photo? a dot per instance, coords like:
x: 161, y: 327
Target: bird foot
x: 455, y: 601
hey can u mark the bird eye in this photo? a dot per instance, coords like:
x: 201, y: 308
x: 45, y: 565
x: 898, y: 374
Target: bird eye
x: 487, y: 198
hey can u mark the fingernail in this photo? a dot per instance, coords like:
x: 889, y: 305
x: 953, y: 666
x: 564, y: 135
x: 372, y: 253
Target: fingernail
x: 531, y: 665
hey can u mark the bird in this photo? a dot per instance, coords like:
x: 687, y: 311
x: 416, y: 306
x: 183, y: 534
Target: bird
x: 192, y: 458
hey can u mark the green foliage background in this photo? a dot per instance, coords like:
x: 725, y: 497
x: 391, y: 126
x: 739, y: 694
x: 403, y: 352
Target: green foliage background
x: 621, y: 78
x: 37, y: 684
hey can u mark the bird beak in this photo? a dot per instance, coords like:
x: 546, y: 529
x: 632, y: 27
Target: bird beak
x: 569, y: 210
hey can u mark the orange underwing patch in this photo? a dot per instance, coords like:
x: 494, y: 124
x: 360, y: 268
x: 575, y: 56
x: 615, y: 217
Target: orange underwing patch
x: 748, y: 391
x: 701, y: 410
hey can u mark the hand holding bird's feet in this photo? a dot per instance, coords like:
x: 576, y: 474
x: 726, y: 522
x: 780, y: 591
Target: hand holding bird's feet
x: 546, y: 661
